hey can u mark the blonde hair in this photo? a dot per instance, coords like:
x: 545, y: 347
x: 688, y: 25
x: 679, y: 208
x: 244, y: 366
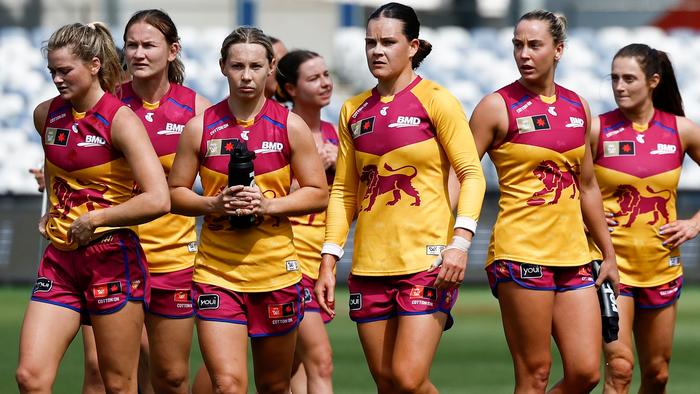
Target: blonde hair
x: 556, y: 22
x: 88, y: 41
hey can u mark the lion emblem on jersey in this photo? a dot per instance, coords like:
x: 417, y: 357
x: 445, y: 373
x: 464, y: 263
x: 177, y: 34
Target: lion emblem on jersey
x: 69, y: 198
x: 633, y: 203
x: 393, y: 183
x: 555, y: 181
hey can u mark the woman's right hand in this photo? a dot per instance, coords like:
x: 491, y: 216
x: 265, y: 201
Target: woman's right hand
x: 325, y: 285
x: 42, y: 225
x: 227, y: 202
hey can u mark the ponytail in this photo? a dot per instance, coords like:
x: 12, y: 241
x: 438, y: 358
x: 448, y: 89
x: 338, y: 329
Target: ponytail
x: 88, y: 41
x: 666, y: 96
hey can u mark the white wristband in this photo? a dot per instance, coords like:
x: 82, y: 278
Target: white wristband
x: 459, y: 243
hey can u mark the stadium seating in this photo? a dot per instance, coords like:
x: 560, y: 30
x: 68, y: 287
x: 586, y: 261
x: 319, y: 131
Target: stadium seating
x: 471, y: 63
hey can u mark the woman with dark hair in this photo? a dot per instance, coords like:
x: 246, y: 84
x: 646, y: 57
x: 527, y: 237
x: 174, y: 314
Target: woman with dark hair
x: 538, y: 263
x: 638, y: 151
x: 95, y: 149
x: 247, y: 277
x: 304, y: 79
x: 157, y: 96
x: 398, y: 141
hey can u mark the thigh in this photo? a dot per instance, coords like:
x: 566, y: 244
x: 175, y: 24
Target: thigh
x: 417, y: 340
x: 313, y: 339
x: 378, y: 341
x: 169, y: 342
x: 224, y: 348
x: 653, y: 334
x: 273, y: 357
x: 527, y: 322
x: 46, y: 332
x: 577, y: 328
x: 118, y: 339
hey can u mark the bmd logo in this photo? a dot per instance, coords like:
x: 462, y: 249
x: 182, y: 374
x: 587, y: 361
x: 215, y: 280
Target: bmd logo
x: 405, y: 121
x: 172, y: 129
x: 92, y: 140
x: 270, y: 147
x: 208, y: 301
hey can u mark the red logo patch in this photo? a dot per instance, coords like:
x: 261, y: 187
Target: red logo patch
x: 182, y: 295
x: 277, y: 311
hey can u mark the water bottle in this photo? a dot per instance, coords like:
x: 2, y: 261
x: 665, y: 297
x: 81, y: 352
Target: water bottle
x: 608, y: 306
x: 241, y: 172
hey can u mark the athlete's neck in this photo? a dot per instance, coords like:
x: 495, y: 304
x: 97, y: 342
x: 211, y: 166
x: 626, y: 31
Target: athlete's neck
x: 151, y: 90
x: 311, y: 115
x: 246, y: 109
x: 87, y: 101
x: 640, y: 115
x: 391, y: 86
x: 543, y: 88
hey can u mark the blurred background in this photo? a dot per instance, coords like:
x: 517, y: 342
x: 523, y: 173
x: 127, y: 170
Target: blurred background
x: 472, y: 56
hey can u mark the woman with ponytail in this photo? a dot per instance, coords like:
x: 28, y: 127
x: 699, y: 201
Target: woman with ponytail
x: 93, y: 268
x: 638, y: 151
x: 398, y: 141
x: 303, y: 78
x: 538, y: 263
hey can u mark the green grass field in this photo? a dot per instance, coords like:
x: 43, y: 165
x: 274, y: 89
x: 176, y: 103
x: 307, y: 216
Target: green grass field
x: 472, y: 358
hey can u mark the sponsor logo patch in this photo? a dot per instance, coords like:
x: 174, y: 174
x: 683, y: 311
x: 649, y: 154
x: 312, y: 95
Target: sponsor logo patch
x: 307, y: 295
x: 106, y: 289
x: 664, y: 149
x: 181, y: 296
x: 42, y: 285
x: 530, y: 271
x: 220, y: 147
x: 674, y: 261
x: 149, y: 117
x: 92, y: 140
x: 434, y: 250
x: 362, y: 127
x: 277, y: 311
x: 618, y: 148
x: 292, y: 265
x: 192, y: 247
x: 529, y: 124
x: 270, y: 147
x: 552, y: 110
x: 56, y: 136
x: 208, y: 301
x: 640, y: 138
x: 355, y: 302
x: 574, y: 122
x: 383, y: 110
x: 426, y: 292
x: 405, y: 121
x: 172, y: 129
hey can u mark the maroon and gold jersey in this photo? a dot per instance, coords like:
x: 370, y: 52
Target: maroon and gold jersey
x: 538, y: 164
x: 261, y: 258
x: 392, y: 170
x: 86, y: 171
x: 309, y: 230
x: 170, y: 242
x: 638, y: 167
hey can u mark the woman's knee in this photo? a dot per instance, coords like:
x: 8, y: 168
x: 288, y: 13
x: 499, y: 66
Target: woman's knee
x: 619, y: 369
x: 170, y: 379
x: 534, y: 374
x: 322, y: 364
x: 656, y: 374
x: 229, y: 384
x: 32, y: 378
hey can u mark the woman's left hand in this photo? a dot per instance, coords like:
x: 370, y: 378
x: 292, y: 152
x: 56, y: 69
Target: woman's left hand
x: 679, y: 231
x: 452, y: 269
x: 256, y: 203
x: 82, y: 230
x: 608, y: 271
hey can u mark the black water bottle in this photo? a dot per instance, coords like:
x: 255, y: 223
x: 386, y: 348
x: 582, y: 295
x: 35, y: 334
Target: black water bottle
x: 241, y: 172
x: 608, y: 306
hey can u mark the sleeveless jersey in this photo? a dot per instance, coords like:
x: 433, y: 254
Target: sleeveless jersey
x: 393, y: 164
x: 538, y: 165
x: 170, y: 242
x: 309, y: 230
x: 87, y: 172
x: 261, y: 258
x: 638, y: 174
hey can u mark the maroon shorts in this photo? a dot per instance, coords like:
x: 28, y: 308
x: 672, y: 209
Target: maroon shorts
x: 654, y: 297
x: 539, y: 277
x: 266, y: 314
x: 310, y: 301
x: 374, y: 298
x: 171, y: 294
x: 98, y: 278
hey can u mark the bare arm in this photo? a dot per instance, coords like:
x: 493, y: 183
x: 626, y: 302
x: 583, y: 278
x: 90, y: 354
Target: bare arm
x: 41, y: 175
x: 130, y: 137
x: 200, y: 104
x: 593, y: 216
x: 489, y: 123
x: 680, y: 231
